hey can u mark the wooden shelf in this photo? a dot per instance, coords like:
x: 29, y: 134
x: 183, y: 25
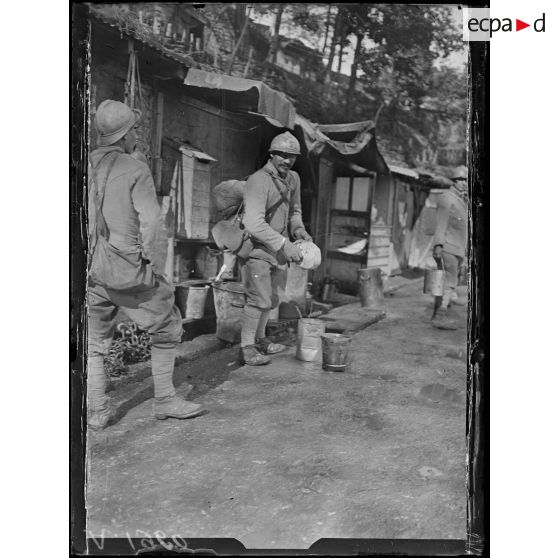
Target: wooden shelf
x: 347, y: 257
x: 349, y: 213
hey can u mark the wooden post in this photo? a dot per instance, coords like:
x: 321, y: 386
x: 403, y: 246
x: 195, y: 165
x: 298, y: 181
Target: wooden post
x: 326, y: 192
x: 157, y: 140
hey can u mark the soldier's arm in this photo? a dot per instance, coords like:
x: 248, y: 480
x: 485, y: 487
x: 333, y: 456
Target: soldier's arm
x: 255, y: 199
x: 144, y: 199
x: 295, y: 209
x: 442, y: 219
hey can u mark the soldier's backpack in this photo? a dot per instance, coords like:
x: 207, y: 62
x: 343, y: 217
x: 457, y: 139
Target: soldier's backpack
x: 228, y: 197
x: 229, y: 232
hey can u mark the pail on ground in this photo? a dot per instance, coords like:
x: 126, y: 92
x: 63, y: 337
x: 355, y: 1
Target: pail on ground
x: 190, y: 299
x: 434, y: 280
x: 335, y: 351
x: 371, y: 288
x: 229, y: 300
x: 308, y: 339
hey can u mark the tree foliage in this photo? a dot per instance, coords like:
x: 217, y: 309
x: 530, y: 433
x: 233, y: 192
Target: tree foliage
x: 393, y: 46
x: 394, y: 51
x: 405, y: 42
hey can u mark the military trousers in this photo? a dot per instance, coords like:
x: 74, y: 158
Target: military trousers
x: 152, y: 309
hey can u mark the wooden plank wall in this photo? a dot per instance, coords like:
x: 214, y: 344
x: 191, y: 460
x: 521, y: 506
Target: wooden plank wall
x: 321, y: 215
x: 379, y: 248
x: 231, y: 139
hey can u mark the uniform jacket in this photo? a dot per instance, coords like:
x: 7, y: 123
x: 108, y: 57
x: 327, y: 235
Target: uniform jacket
x: 130, y: 207
x: 260, y: 194
x: 451, y: 222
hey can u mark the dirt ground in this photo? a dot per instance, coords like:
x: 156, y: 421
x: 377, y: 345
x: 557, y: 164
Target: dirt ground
x: 288, y: 453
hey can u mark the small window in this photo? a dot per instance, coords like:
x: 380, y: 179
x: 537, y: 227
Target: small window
x: 342, y: 193
x: 361, y: 193
x: 352, y: 193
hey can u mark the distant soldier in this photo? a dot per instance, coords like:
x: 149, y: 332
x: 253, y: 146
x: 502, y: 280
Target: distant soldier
x: 272, y: 209
x: 124, y: 216
x: 450, y: 244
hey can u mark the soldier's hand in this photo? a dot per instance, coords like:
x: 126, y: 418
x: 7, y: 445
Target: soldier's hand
x: 437, y: 252
x: 292, y: 252
x: 302, y: 234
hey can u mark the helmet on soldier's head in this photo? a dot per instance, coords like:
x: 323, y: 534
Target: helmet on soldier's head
x: 460, y: 173
x: 113, y: 120
x: 285, y: 143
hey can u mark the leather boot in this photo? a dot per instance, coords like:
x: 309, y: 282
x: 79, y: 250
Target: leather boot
x: 173, y: 406
x: 443, y: 321
x: 252, y: 357
x: 266, y: 347
x: 456, y: 301
x: 98, y: 419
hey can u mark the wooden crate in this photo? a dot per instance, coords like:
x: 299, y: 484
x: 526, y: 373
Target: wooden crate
x: 379, y: 248
x: 194, y: 198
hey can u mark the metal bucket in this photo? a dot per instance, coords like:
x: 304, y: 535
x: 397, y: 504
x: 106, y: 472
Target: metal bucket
x: 308, y: 342
x: 434, y: 280
x: 190, y: 299
x: 335, y: 351
x: 230, y: 261
x: 229, y: 300
x: 371, y: 287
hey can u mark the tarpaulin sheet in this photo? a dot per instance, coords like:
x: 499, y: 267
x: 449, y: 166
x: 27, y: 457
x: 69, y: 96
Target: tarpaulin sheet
x: 409, y: 173
x: 349, y: 128
x: 244, y: 94
x: 355, y: 141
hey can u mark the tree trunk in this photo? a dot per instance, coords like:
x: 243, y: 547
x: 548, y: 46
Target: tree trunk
x: 334, y: 38
x: 247, y: 67
x: 354, y: 68
x: 340, y: 60
x: 326, y: 29
x: 276, y: 28
x: 239, y: 42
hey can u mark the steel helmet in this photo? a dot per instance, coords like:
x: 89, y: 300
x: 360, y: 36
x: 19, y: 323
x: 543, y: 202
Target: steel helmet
x: 460, y: 173
x: 285, y: 143
x: 113, y: 120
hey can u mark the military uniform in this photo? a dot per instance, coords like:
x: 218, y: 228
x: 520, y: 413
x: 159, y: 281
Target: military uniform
x: 259, y: 269
x: 129, y: 223
x: 451, y: 234
x: 133, y: 217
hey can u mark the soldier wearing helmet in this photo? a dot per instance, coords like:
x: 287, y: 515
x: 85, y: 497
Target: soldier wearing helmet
x: 450, y: 244
x: 272, y: 211
x: 122, y: 191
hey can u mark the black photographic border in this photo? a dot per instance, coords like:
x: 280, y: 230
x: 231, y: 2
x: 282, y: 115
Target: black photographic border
x: 477, y: 542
